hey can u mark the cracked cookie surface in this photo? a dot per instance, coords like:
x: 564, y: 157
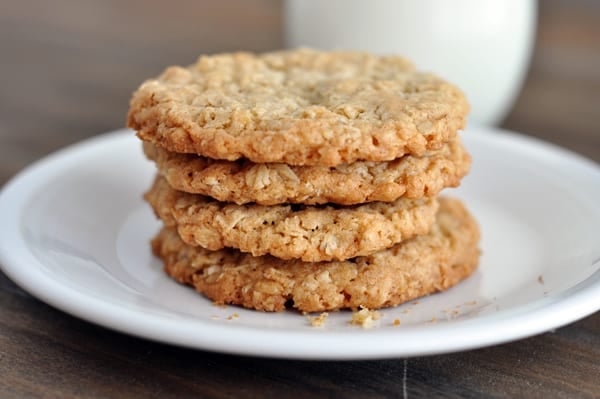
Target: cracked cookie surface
x: 420, y: 266
x: 310, y: 233
x: 299, y: 107
x: 244, y: 181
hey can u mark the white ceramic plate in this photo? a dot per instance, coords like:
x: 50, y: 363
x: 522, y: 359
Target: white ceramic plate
x: 74, y: 232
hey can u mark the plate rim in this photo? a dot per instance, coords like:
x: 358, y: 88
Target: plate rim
x: 510, y: 324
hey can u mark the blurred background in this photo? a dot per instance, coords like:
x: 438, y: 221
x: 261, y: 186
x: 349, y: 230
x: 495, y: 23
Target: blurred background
x: 68, y: 67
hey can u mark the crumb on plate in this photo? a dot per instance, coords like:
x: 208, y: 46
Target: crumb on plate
x: 233, y: 316
x: 365, y: 317
x: 318, y: 321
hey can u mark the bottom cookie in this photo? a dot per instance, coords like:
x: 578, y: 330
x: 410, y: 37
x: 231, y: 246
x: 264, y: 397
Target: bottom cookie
x: 414, y: 268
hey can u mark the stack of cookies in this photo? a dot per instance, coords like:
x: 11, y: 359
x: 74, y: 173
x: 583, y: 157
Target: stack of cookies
x: 306, y: 179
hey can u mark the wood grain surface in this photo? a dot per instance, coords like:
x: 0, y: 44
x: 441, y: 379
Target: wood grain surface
x: 67, y: 70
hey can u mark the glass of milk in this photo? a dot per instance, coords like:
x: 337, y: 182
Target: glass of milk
x: 482, y: 46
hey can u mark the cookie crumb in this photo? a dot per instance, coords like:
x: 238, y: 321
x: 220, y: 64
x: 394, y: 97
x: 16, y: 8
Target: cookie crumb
x: 365, y: 317
x: 219, y: 305
x: 415, y: 302
x: 540, y: 279
x: 233, y: 316
x: 214, y: 317
x: 433, y: 320
x: 318, y: 321
x: 396, y: 322
x: 471, y: 303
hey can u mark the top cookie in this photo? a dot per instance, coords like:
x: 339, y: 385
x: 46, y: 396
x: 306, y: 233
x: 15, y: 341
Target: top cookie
x: 300, y: 107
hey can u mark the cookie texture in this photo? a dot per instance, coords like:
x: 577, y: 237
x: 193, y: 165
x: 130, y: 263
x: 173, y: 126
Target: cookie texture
x: 310, y: 233
x: 244, y: 181
x: 417, y: 267
x: 299, y: 107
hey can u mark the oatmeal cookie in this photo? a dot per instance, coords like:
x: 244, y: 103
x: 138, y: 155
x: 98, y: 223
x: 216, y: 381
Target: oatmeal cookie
x: 420, y: 266
x: 299, y: 107
x: 310, y: 233
x: 269, y: 184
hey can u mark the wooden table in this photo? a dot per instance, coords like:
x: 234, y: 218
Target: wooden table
x: 67, y: 70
